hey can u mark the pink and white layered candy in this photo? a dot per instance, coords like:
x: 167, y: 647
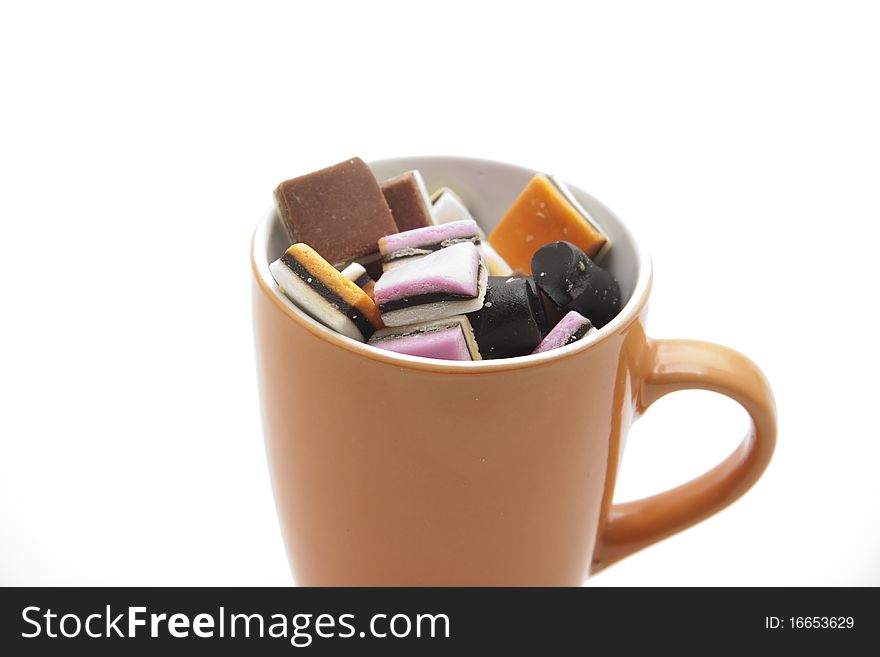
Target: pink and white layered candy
x: 449, y: 339
x: 409, y: 245
x: 451, y: 281
x: 448, y: 208
x: 570, y: 328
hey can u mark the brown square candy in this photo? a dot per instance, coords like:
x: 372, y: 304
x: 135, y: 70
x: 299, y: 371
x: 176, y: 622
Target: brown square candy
x: 339, y: 211
x: 408, y: 199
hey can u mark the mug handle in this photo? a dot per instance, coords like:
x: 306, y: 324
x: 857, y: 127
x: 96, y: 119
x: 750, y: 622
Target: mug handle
x: 681, y: 365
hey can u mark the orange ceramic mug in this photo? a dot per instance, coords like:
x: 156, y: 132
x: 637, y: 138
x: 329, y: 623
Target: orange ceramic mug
x: 397, y: 470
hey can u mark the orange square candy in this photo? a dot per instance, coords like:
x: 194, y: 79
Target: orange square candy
x: 540, y: 215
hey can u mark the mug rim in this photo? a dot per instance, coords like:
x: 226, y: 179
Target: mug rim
x: 627, y: 315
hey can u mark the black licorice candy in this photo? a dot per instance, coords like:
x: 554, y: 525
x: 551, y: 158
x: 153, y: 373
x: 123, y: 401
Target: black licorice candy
x: 511, y: 321
x: 567, y: 276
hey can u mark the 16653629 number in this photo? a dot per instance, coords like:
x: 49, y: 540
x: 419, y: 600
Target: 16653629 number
x: 821, y: 622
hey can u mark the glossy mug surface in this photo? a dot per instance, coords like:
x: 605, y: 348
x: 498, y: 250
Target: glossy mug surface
x: 390, y: 469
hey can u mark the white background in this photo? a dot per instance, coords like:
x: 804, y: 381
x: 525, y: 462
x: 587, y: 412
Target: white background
x: 139, y: 146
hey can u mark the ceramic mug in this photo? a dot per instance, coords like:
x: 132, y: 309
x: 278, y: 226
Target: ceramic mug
x: 390, y: 469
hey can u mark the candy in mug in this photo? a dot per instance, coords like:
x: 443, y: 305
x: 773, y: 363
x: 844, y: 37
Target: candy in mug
x: 496, y: 472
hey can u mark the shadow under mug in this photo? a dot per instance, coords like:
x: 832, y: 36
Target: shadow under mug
x: 392, y: 470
